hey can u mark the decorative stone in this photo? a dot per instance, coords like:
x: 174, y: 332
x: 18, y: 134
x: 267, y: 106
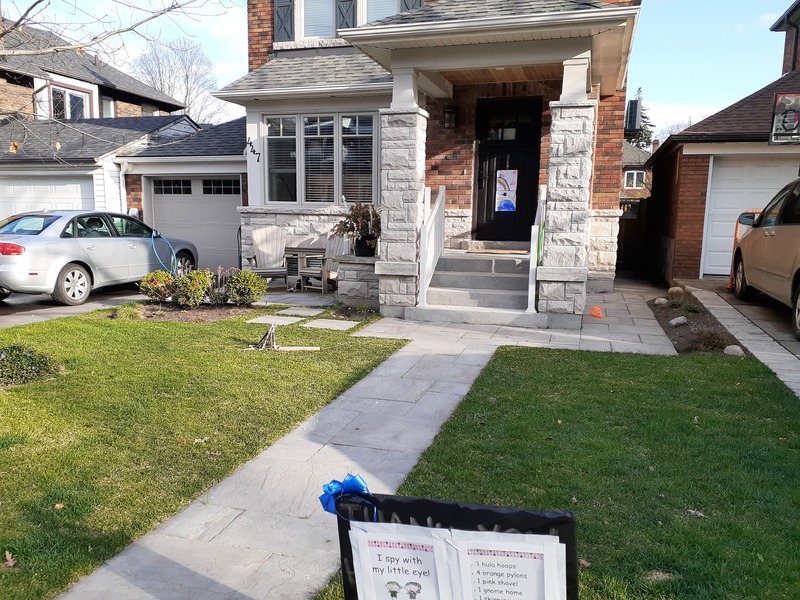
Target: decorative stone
x: 734, y: 350
x: 661, y: 301
x: 675, y: 291
x: 678, y: 321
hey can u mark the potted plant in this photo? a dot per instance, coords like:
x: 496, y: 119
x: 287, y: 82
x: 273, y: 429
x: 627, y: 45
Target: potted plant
x: 363, y: 224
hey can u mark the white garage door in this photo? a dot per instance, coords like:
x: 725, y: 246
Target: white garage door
x: 738, y: 184
x: 203, y: 213
x: 22, y: 194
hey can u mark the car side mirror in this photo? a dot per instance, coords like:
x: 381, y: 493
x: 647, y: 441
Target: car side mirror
x: 747, y: 218
x: 156, y: 233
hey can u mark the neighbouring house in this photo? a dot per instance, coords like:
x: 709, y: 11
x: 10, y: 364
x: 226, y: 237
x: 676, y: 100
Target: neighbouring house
x: 706, y: 175
x: 374, y: 100
x: 69, y: 85
x: 635, y: 188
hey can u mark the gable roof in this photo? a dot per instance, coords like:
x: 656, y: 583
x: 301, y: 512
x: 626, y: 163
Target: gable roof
x: 79, y: 142
x: 227, y: 139
x: 458, y: 10
x: 633, y: 156
x: 86, y: 67
x: 293, y: 73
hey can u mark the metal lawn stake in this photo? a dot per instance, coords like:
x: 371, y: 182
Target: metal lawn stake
x: 269, y: 342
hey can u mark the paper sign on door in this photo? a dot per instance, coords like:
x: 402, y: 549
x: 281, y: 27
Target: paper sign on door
x: 506, y: 195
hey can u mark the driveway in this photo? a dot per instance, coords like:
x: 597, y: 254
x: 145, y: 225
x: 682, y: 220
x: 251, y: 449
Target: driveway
x: 21, y: 309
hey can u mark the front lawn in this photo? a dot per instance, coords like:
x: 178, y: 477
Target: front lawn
x: 145, y: 416
x: 682, y: 472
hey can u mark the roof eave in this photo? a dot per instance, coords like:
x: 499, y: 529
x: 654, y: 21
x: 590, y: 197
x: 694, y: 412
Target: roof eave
x: 308, y: 92
x: 782, y: 23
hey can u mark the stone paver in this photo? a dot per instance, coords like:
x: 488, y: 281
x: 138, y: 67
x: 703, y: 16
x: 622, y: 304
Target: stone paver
x: 335, y: 324
x: 299, y: 311
x: 275, y: 320
x: 261, y: 532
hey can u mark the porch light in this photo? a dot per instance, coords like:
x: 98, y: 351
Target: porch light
x: 450, y: 118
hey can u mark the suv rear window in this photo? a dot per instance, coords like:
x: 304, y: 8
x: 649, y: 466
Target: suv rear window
x: 27, y: 224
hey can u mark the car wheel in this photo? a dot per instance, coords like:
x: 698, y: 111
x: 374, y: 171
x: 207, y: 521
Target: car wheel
x: 740, y: 288
x: 796, y: 318
x: 184, y: 264
x: 72, y: 286
x: 4, y: 293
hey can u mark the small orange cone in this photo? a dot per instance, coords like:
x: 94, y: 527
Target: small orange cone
x: 596, y: 311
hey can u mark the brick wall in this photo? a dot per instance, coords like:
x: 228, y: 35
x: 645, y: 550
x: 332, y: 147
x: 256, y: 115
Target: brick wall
x: 676, y: 213
x: 126, y: 109
x: 245, y: 196
x: 133, y: 191
x: 450, y: 159
x: 16, y: 94
x: 789, y: 45
x: 259, y: 32
x: 606, y: 183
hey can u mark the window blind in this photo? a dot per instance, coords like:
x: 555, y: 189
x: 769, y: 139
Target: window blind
x: 357, y: 157
x: 318, y: 18
x: 379, y: 9
x: 319, y: 158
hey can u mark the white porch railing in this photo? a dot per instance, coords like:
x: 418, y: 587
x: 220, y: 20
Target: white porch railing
x: 537, y: 229
x: 431, y: 243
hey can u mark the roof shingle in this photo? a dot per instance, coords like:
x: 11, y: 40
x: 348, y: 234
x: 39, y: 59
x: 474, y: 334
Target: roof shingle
x: 227, y: 139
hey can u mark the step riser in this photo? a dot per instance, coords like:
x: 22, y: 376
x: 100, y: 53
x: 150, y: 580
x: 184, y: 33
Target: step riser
x: 434, y: 314
x: 518, y: 266
x: 486, y: 299
x: 480, y: 281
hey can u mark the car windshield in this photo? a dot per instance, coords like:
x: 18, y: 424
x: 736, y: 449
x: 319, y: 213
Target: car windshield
x: 27, y: 224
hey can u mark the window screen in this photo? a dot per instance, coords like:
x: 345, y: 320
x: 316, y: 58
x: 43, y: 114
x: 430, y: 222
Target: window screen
x: 357, y: 157
x: 318, y: 153
x: 282, y: 159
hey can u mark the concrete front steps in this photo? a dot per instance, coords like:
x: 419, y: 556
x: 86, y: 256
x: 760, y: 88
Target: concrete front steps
x: 484, y: 289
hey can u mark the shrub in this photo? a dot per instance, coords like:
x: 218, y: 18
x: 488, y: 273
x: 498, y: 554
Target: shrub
x: 21, y: 365
x: 217, y: 295
x: 191, y: 289
x: 245, y: 287
x: 158, y: 285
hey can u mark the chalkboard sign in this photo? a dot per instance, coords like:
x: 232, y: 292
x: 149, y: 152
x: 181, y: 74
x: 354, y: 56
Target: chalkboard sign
x: 441, y: 514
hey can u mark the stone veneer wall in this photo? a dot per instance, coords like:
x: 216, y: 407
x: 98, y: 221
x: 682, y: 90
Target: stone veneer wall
x: 357, y: 283
x: 403, y: 135
x: 603, y: 234
x: 563, y: 273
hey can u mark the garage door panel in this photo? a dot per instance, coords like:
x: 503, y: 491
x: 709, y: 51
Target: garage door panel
x: 211, y: 222
x: 737, y: 185
x: 23, y: 194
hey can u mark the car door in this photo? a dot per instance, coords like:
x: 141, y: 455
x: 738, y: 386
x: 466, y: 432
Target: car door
x: 755, y: 246
x: 104, y: 250
x: 138, y: 239
x: 782, y: 248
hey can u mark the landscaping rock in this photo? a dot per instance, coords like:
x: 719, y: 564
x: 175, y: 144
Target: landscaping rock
x: 734, y: 350
x: 678, y: 321
x: 675, y: 291
x: 661, y: 301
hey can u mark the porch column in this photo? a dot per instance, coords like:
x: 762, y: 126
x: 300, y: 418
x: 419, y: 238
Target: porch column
x: 563, y: 274
x: 402, y: 184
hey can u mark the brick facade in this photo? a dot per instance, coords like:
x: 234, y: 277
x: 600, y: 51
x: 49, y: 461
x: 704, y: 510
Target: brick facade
x: 260, y: 33
x: 606, y: 183
x: 16, y: 94
x: 133, y: 191
x: 125, y: 109
x: 789, y: 45
x: 676, y: 213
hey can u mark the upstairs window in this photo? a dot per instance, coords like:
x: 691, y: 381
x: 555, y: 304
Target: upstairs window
x: 68, y: 104
x: 634, y: 180
x: 318, y: 18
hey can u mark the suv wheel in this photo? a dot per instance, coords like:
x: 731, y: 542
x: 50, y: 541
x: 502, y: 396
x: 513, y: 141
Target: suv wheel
x: 796, y: 311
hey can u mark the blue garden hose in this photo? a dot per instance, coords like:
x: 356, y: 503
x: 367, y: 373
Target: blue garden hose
x: 174, y: 270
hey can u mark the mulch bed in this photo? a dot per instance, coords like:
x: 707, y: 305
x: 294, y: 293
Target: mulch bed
x: 200, y: 314
x: 703, y: 333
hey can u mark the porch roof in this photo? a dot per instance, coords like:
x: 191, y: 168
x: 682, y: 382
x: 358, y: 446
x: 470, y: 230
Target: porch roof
x: 293, y: 73
x: 606, y: 29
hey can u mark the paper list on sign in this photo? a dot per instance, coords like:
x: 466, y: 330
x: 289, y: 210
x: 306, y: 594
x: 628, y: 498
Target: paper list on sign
x: 500, y: 574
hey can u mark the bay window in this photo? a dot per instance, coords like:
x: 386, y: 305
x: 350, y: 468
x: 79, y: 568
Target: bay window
x: 327, y: 157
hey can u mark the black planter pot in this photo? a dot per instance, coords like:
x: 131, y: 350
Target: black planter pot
x: 362, y: 248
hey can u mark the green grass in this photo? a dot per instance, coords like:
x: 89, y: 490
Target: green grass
x: 682, y: 471
x: 145, y: 416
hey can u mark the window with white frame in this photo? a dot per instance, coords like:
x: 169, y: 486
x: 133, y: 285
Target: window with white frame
x: 321, y: 18
x: 634, y: 180
x: 68, y: 104
x: 327, y: 157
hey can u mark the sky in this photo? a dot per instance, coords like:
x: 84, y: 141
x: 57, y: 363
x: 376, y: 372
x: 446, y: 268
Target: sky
x: 691, y: 58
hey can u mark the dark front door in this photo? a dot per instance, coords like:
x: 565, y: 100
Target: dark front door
x: 509, y: 132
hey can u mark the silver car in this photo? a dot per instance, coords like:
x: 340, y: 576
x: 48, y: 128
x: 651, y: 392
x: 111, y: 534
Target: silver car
x: 767, y: 256
x: 68, y: 253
